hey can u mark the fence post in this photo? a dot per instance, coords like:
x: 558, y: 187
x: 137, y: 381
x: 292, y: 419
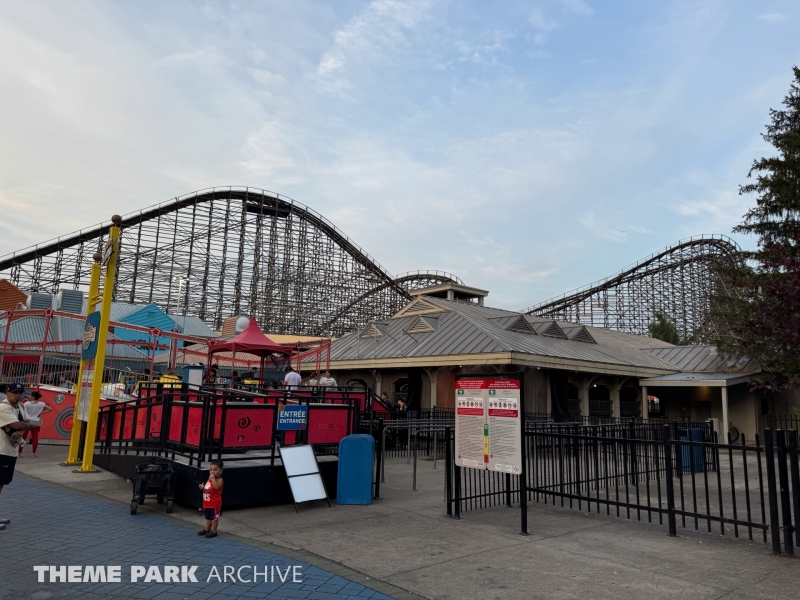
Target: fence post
x: 457, y: 483
x: 786, y: 503
x: 523, y: 477
x: 448, y: 472
x: 379, y: 464
x: 415, y: 437
x: 670, y: 483
x: 774, y: 524
x: 795, y: 477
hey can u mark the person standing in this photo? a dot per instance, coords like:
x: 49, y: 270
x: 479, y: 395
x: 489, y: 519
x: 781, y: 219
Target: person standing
x: 212, y: 499
x: 34, y: 409
x: 327, y: 380
x: 12, y: 426
x: 3, y: 390
x: 292, y: 378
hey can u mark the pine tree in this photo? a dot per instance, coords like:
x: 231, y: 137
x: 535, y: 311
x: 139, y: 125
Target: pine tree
x: 663, y: 329
x: 761, y: 319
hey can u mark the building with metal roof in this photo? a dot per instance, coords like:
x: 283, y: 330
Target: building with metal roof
x: 568, y: 368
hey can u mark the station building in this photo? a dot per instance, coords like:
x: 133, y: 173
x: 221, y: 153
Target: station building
x: 569, y: 369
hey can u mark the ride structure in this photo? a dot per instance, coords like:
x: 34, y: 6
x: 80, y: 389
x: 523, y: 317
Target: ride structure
x: 229, y: 251
x: 679, y: 282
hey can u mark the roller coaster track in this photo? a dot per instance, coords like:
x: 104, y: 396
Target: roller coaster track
x: 245, y: 251
x: 678, y: 281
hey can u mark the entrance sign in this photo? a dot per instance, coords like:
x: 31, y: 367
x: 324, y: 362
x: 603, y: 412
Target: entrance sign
x: 488, y: 430
x: 292, y: 417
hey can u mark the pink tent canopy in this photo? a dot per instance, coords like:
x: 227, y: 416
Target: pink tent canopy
x: 252, y: 341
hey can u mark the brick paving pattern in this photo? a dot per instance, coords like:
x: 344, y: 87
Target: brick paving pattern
x: 51, y: 526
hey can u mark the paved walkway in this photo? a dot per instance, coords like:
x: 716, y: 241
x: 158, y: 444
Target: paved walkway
x: 402, y: 542
x: 52, y: 526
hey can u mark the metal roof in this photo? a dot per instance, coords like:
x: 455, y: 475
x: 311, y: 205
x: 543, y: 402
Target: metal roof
x: 193, y: 326
x: 703, y: 359
x: 466, y: 328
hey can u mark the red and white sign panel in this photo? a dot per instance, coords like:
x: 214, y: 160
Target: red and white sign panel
x: 488, y: 424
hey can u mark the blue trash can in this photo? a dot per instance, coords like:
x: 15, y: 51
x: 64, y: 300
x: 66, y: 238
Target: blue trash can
x: 692, y: 458
x: 356, y: 469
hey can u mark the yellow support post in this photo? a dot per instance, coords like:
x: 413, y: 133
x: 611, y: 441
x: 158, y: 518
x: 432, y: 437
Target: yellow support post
x: 75, y: 436
x: 110, y: 260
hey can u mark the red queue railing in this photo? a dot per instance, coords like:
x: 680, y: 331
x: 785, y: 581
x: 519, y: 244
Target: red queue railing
x: 200, y: 424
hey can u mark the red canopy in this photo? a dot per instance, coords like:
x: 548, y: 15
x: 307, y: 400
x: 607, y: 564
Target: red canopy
x: 251, y: 341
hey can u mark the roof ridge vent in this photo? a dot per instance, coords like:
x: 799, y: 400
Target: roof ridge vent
x: 550, y: 329
x: 583, y: 335
x: 371, y: 331
x: 420, y: 325
x: 521, y: 325
x: 419, y: 305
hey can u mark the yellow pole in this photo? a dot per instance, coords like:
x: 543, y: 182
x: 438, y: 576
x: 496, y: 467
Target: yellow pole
x: 100, y: 359
x: 75, y: 437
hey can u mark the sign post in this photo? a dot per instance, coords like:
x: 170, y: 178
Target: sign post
x: 110, y: 257
x: 85, y: 369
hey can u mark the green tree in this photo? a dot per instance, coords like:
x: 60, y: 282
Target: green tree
x: 663, y: 329
x: 759, y: 316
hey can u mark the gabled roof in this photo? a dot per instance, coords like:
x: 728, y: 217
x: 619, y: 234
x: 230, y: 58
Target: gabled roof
x: 419, y: 306
x: 373, y: 330
x: 10, y: 295
x: 461, y: 329
x: 422, y: 325
x: 193, y: 326
x: 579, y: 333
x: 550, y: 329
x: 517, y: 324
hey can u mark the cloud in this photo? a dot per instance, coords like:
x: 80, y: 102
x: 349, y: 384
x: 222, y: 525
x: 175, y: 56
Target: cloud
x: 542, y: 26
x: 772, y: 17
x: 578, y: 7
x: 268, y: 78
x: 368, y: 36
x: 614, y: 232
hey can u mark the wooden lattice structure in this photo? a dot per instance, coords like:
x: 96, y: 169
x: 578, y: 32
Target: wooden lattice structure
x: 678, y: 281
x: 244, y: 251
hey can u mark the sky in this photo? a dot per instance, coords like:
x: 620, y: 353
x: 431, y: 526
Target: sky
x: 527, y: 147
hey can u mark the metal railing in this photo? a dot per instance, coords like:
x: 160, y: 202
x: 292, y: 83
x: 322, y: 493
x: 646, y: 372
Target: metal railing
x: 672, y: 475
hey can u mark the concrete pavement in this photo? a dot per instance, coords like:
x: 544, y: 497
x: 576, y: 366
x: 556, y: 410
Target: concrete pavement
x: 406, y: 540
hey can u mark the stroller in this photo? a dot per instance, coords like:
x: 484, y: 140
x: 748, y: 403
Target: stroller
x: 155, y: 479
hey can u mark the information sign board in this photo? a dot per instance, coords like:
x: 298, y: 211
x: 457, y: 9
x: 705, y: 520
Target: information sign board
x: 488, y: 430
x: 471, y: 424
x: 91, y: 331
x: 85, y: 392
x: 292, y: 417
x: 503, y: 413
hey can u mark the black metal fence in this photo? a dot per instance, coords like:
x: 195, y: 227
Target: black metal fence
x: 675, y: 474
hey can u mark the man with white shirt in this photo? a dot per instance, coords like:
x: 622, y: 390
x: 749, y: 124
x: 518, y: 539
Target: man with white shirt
x: 13, y: 423
x: 292, y: 378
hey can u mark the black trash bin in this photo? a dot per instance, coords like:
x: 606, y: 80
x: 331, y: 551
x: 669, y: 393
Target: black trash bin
x: 155, y: 478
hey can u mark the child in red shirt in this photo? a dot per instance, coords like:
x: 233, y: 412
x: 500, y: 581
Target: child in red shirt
x: 212, y: 499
